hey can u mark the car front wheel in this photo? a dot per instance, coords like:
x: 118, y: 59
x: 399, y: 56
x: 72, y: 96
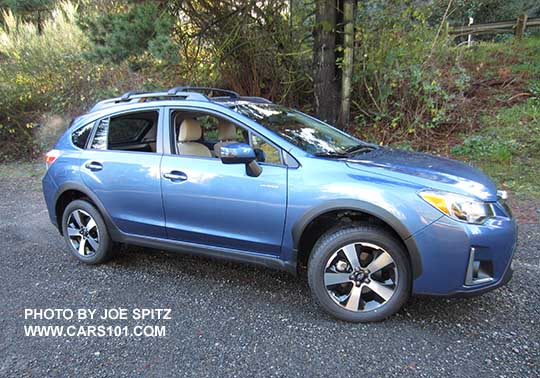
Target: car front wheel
x: 359, y: 273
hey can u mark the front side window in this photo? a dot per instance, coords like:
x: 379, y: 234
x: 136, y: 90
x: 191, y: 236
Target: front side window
x: 204, y: 134
x: 130, y: 132
x: 265, y: 152
x: 309, y: 134
x: 217, y: 129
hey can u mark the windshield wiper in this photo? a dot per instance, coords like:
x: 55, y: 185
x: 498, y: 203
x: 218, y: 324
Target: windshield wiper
x: 361, y: 148
x: 334, y: 155
x: 355, y: 150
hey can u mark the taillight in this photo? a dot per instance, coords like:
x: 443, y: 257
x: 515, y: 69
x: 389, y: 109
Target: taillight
x: 51, y: 157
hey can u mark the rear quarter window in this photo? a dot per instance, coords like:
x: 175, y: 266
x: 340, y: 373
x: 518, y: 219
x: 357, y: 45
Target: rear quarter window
x: 80, y: 136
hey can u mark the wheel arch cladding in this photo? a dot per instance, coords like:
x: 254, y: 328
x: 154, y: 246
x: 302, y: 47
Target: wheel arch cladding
x: 69, y: 192
x: 316, y: 221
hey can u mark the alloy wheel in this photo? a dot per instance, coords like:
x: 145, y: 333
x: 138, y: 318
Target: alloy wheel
x: 361, y: 276
x: 83, y: 233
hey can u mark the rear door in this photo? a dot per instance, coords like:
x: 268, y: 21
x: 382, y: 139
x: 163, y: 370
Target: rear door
x: 220, y: 205
x: 121, y: 166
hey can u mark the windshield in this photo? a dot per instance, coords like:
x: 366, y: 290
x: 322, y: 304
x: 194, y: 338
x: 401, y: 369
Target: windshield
x: 309, y: 134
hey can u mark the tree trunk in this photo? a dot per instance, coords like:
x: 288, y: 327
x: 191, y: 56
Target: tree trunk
x: 39, y: 22
x: 348, y: 62
x: 325, y: 84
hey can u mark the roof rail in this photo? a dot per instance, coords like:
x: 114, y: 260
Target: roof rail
x: 137, y: 96
x: 180, y: 89
x: 184, y: 92
x: 127, y: 96
x: 257, y: 100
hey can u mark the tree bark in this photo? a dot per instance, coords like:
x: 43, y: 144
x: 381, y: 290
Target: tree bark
x: 348, y: 62
x: 325, y: 83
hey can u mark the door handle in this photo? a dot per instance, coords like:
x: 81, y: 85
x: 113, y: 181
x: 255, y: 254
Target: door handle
x: 175, y: 176
x: 94, y: 166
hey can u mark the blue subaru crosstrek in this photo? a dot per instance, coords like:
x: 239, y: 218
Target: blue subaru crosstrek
x: 206, y: 171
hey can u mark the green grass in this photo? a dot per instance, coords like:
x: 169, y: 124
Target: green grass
x: 508, y: 147
x: 519, y: 57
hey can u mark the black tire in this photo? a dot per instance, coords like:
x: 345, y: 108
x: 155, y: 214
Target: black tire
x: 100, y: 234
x: 329, y: 246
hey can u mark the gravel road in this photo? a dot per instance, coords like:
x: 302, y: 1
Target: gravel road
x: 235, y: 320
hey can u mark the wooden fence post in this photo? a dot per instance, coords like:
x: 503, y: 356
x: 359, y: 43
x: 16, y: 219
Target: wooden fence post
x: 521, y: 26
x: 469, y: 37
x: 446, y: 30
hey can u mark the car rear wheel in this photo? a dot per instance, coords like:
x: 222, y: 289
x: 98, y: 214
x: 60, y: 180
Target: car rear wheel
x: 359, y: 273
x: 85, y: 233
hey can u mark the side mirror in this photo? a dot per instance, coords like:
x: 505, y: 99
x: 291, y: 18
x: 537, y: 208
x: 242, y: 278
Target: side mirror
x: 260, y: 155
x: 236, y: 153
x: 241, y: 153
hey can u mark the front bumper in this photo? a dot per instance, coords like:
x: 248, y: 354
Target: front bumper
x: 472, y: 291
x: 451, y: 251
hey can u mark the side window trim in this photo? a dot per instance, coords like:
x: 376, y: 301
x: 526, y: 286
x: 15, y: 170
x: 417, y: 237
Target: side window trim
x: 96, y: 127
x: 91, y: 136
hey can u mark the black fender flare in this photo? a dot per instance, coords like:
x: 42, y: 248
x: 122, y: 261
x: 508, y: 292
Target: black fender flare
x: 364, y: 207
x: 115, y: 233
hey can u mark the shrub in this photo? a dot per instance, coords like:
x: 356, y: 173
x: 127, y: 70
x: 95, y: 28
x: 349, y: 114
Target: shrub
x: 38, y: 71
x: 121, y: 36
x: 404, y: 86
x: 44, y: 71
x: 259, y: 48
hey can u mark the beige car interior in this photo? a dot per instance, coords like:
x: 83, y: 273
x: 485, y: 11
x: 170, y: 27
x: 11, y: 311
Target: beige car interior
x: 190, y: 132
x: 226, y: 135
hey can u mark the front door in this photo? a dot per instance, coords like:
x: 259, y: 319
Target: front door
x: 211, y: 203
x: 220, y: 205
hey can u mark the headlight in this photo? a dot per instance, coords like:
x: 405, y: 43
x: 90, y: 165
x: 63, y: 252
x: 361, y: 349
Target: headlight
x: 458, y: 207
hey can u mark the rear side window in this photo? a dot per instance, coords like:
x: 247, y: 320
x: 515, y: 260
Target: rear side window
x: 80, y: 136
x: 127, y: 130
x: 130, y: 132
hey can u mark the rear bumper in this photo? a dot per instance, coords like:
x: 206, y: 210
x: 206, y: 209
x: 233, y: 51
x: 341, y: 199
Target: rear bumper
x: 49, y: 192
x: 450, y: 250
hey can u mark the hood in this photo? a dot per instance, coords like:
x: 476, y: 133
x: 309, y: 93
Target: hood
x: 429, y: 171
